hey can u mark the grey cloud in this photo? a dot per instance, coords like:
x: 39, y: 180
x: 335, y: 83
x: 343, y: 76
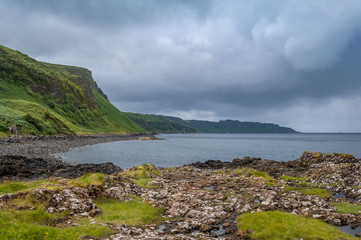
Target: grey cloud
x: 251, y: 60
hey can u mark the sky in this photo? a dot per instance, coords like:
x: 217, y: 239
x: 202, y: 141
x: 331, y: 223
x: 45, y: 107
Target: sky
x: 296, y: 63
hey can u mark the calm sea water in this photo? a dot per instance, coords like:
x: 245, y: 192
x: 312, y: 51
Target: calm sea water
x: 179, y: 149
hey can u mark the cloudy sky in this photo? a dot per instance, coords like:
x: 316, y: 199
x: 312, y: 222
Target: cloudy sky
x: 292, y: 62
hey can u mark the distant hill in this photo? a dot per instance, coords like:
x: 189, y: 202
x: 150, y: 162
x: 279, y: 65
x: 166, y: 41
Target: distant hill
x: 44, y: 98
x: 161, y: 124
x: 166, y: 124
x: 233, y: 126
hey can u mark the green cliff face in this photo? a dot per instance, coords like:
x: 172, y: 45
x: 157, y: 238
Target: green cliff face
x: 44, y: 98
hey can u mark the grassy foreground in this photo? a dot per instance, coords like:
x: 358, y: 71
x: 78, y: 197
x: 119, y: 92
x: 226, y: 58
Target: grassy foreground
x: 134, y: 212
x: 38, y: 224
x: 276, y: 225
x: 28, y: 217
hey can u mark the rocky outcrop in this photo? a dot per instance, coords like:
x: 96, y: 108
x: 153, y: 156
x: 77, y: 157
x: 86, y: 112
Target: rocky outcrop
x: 19, y: 167
x: 296, y: 167
x: 75, y: 200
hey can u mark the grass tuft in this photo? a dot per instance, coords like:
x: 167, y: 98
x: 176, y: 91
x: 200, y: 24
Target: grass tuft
x: 135, y: 212
x: 90, y: 178
x: 322, y: 193
x: 278, y: 225
x: 243, y: 171
x: 38, y: 225
x: 142, y: 175
x: 347, y: 208
x: 13, y: 187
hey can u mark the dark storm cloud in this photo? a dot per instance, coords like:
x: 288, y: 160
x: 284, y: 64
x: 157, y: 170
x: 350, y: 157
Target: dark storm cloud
x: 291, y: 62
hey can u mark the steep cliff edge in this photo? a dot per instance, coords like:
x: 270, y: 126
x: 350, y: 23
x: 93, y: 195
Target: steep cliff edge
x: 44, y: 98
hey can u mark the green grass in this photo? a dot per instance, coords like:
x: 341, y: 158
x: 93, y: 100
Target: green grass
x: 158, y: 123
x: 134, y: 212
x: 243, y: 171
x: 38, y: 225
x: 143, y: 171
x: 292, y: 179
x: 322, y: 193
x: 144, y: 183
x: 301, y: 181
x: 347, y: 208
x: 34, y: 118
x: 117, y: 119
x: 90, y: 178
x: 280, y: 225
x: 13, y: 186
x: 142, y: 175
x: 43, y: 98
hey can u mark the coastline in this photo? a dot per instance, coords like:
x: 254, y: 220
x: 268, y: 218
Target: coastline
x: 33, y: 157
x: 46, y: 146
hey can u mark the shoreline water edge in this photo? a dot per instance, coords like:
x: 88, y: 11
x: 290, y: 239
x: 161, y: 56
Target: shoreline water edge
x: 31, y: 157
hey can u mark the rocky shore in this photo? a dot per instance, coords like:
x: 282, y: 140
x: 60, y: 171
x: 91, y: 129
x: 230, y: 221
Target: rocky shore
x: 45, y: 146
x: 31, y: 157
x: 203, y: 200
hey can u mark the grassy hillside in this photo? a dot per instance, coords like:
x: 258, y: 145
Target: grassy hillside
x: 43, y: 98
x: 161, y: 124
x: 166, y: 124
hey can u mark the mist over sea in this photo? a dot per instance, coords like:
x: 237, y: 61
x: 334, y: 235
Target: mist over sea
x: 180, y: 149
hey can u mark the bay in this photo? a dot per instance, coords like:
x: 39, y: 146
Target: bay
x: 180, y: 149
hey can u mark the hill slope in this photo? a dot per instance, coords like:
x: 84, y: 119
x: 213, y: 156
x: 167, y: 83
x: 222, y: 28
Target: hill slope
x: 43, y: 98
x: 161, y: 124
x: 233, y: 126
x: 166, y: 124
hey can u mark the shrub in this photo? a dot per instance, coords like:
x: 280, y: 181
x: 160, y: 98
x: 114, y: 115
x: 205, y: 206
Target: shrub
x: 35, y: 122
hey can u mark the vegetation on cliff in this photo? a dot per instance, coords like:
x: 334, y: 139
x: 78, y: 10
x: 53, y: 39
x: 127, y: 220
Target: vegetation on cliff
x: 234, y: 126
x: 44, y: 98
x: 167, y: 124
x: 161, y: 124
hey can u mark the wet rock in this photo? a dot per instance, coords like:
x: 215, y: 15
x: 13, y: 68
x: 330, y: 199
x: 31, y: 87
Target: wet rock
x: 20, y: 167
x: 78, y: 170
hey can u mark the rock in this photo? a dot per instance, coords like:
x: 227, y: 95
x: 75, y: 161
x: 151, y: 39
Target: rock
x: 30, y: 168
x: 205, y: 227
x: 240, y: 232
x: 7, y: 197
x: 226, y: 224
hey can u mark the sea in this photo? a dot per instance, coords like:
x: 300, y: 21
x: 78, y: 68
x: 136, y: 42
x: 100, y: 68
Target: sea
x: 180, y: 149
